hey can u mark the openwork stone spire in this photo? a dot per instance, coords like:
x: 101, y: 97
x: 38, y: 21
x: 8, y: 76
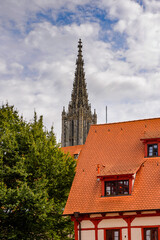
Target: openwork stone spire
x: 76, y: 122
x: 79, y: 94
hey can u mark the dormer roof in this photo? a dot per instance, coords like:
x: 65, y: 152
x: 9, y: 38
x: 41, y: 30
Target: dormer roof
x: 72, y: 150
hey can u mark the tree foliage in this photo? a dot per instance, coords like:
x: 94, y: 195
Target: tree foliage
x: 35, y: 178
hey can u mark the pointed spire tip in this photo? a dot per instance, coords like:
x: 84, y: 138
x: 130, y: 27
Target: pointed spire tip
x: 79, y: 42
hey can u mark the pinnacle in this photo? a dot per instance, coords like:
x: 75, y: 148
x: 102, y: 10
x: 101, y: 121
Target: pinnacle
x: 79, y: 47
x: 79, y: 93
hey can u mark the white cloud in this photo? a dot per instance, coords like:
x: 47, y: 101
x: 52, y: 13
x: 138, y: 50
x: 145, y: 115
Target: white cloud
x: 144, y: 42
x: 37, y: 66
x: 20, y: 12
x: 152, y: 5
x: 122, y: 9
x: 142, y: 29
x: 13, y: 68
x: 3, y: 67
x: 121, y: 26
x: 40, y: 71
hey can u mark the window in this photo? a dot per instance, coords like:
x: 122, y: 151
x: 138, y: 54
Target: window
x: 120, y: 187
x: 113, y: 234
x: 76, y: 156
x: 150, y: 233
x: 152, y: 150
x: 116, y: 184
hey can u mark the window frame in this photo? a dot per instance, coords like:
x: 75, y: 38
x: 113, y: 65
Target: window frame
x: 153, y: 150
x: 112, y: 233
x: 76, y: 155
x: 151, y: 233
x: 116, y: 184
x: 107, y: 178
x: 150, y: 141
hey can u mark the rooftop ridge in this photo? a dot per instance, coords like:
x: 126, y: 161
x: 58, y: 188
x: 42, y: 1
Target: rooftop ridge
x: 129, y: 121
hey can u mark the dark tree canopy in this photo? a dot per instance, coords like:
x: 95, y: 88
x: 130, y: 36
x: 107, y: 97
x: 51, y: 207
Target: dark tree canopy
x: 35, y: 179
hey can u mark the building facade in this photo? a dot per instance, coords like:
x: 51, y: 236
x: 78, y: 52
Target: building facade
x: 77, y: 120
x: 115, y: 194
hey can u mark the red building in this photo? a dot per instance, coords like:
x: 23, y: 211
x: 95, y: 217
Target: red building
x: 115, y: 194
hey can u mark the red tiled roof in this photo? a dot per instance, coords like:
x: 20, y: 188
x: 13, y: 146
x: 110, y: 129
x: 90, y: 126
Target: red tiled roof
x: 118, y: 150
x: 72, y: 149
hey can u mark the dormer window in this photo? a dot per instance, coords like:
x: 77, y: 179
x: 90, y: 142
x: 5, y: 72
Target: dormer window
x: 151, y: 147
x: 116, y: 185
x: 76, y: 156
x: 120, y: 187
x: 152, y: 150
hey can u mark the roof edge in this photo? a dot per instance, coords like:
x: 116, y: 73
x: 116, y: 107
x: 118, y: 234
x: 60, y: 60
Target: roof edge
x: 141, y: 210
x: 137, y: 120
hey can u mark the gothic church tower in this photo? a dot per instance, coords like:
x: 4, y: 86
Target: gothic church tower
x: 76, y: 122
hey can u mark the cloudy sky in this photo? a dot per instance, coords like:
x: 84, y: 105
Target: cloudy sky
x: 121, y: 50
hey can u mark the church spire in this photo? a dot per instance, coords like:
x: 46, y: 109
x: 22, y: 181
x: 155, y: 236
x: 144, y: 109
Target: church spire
x: 79, y: 95
x: 79, y: 49
x: 76, y: 122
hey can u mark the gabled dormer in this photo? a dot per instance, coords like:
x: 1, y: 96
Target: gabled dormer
x: 151, y: 147
x: 115, y: 185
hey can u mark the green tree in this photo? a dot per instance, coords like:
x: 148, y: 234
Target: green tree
x: 35, y: 179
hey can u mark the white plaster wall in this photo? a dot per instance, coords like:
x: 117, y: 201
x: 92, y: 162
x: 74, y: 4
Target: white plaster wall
x: 87, y: 224
x: 129, y: 213
x: 144, y: 221
x: 111, y: 223
x: 136, y: 234
x: 88, y: 235
x: 112, y: 214
x: 125, y: 234
x: 95, y: 215
x: 100, y: 234
x: 148, y: 212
